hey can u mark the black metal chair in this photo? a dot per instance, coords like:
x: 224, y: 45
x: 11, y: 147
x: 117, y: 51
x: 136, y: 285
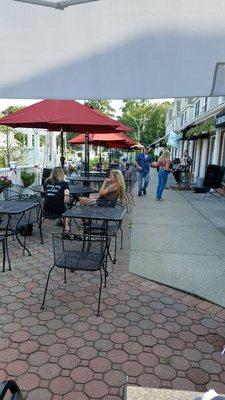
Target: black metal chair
x: 11, y: 387
x: 79, y: 253
x: 13, y: 192
x: 17, y: 224
x: 108, y: 229
x: 50, y: 215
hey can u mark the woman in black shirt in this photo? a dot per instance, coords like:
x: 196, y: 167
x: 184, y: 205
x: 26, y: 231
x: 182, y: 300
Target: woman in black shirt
x: 56, y: 192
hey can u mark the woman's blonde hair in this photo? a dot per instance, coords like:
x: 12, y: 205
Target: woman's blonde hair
x: 121, y: 184
x: 164, y: 156
x: 57, y: 175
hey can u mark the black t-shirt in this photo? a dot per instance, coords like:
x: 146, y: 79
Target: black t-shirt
x: 54, y: 196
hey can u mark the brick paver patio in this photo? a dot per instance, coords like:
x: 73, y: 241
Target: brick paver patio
x: 147, y: 334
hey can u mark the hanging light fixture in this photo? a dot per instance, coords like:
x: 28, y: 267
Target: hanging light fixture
x: 59, y: 5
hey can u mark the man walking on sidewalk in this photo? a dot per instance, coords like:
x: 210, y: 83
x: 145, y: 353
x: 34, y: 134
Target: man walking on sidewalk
x: 143, y: 163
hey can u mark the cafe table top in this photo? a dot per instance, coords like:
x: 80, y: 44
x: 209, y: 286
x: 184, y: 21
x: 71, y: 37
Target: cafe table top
x: 95, y: 179
x: 16, y: 207
x: 95, y: 212
x: 74, y: 189
x: 143, y: 393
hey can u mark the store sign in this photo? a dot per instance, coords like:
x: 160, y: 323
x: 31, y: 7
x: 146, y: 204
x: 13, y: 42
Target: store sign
x: 220, y: 121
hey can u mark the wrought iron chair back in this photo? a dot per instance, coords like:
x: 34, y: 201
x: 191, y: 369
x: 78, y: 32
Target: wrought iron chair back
x: 76, y: 252
x: 16, y: 224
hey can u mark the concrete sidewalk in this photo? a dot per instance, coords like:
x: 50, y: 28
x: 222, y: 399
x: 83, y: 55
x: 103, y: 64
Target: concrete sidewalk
x: 180, y: 242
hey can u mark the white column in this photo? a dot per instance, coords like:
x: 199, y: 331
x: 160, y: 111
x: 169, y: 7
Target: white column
x: 191, y: 148
x: 203, y: 158
x: 217, y: 146
x: 53, y: 148
x: 29, y: 140
x: 180, y: 149
x: 36, y: 155
x: 185, y: 145
x: 197, y: 159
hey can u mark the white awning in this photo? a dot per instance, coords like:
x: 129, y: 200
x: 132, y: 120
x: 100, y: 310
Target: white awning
x: 112, y: 49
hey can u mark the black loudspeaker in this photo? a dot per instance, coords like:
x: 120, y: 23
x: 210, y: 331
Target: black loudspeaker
x: 214, y: 176
x: 45, y: 174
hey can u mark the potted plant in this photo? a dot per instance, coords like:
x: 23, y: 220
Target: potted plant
x: 27, y: 178
x: 4, y: 182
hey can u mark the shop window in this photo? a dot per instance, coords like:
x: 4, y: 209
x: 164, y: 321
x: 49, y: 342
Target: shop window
x: 197, y: 108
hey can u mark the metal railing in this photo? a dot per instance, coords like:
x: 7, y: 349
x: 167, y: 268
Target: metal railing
x: 14, y: 174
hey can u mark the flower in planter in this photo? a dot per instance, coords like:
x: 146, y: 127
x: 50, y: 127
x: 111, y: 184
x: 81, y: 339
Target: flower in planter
x: 5, y: 181
x: 28, y: 177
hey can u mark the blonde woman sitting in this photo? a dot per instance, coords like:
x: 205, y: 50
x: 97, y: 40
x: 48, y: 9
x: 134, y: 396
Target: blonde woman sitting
x: 113, y: 188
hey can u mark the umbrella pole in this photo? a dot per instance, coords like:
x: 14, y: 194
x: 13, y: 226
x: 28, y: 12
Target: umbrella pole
x: 86, y: 153
x: 100, y: 161
x: 62, y: 158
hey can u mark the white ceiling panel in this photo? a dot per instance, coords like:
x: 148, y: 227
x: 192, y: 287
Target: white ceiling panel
x: 112, y: 49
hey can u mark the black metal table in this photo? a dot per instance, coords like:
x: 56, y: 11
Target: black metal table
x: 114, y: 214
x: 74, y: 189
x: 95, y: 173
x: 84, y: 179
x: 104, y: 214
x: 12, y: 209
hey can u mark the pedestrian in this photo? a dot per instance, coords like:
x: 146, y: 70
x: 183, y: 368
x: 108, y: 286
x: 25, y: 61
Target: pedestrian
x: 143, y: 163
x: 163, y: 165
x: 184, y: 166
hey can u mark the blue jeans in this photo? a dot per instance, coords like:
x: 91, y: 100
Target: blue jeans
x: 146, y: 179
x: 162, y: 179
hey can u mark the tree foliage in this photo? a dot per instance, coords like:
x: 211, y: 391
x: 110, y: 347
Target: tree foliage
x: 103, y: 106
x: 147, y: 119
x: 10, y: 152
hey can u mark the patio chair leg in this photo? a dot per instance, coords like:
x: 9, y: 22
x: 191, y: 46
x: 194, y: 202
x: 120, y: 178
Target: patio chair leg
x: 115, y: 249
x: 105, y: 272
x: 7, y: 253
x: 40, y: 231
x: 121, y: 238
x: 100, y: 292
x: 3, y: 261
x: 64, y: 275
x: 46, y: 287
x: 23, y: 245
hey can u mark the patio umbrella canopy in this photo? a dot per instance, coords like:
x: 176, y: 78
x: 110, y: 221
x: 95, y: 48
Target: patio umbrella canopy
x: 110, y: 140
x: 119, y: 140
x: 61, y: 115
x: 140, y: 49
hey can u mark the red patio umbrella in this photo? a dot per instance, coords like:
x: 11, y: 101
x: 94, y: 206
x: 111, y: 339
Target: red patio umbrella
x: 121, y: 127
x: 110, y: 140
x: 118, y: 139
x: 61, y: 115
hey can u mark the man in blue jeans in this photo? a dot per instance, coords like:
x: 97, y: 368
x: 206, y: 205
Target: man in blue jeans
x: 143, y: 163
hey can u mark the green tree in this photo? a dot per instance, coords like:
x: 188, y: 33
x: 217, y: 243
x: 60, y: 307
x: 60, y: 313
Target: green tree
x: 10, y: 152
x: 104, y: 106
x: 147, y: 119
